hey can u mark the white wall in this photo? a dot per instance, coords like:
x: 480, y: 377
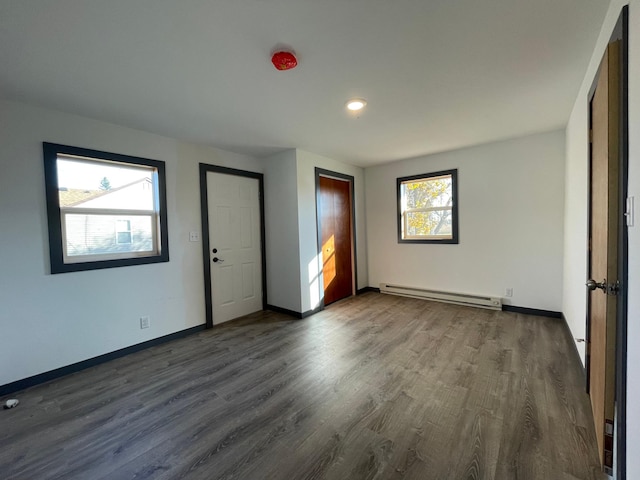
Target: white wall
x: 309, y: 262
x: 510, y: 223
x: 49, y: 321
x: 282, y: 243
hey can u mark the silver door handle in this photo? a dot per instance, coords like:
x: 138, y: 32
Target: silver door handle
x: 592, y: 284
x: 217, y: 260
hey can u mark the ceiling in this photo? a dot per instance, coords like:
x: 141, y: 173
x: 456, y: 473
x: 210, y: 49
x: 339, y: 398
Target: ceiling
x: 437, y: 74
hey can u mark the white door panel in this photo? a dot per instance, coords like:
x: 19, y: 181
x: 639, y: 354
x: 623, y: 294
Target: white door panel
x: 234, y: 233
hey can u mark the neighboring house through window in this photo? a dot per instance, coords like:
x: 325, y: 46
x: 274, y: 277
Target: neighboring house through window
x: 105, y: 210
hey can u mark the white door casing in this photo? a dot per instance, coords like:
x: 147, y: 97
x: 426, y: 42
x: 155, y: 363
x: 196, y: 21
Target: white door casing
x: 234, y: 233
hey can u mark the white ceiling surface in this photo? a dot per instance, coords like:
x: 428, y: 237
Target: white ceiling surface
x: 438, y: 74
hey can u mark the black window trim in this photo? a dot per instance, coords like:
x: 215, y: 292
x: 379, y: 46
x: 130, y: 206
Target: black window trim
x: 50, y: 155
x: 454, y: 210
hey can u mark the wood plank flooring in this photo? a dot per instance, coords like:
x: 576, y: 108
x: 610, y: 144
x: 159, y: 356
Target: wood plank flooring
x: 373, y: 387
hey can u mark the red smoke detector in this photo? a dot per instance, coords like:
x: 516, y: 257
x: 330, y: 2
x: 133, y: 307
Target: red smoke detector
x: 284, y: 60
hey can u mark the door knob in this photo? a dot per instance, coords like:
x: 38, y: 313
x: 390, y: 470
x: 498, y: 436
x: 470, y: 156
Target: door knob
x: 592, y: 284
x: 216, y: 260
x: 215, y: 250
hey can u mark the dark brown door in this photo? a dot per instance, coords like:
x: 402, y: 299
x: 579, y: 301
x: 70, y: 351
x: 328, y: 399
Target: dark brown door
x: 603, y: 254
x: 334, y: 198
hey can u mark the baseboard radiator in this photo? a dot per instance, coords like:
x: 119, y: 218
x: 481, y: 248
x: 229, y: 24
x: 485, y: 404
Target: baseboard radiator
x: 493, y: 303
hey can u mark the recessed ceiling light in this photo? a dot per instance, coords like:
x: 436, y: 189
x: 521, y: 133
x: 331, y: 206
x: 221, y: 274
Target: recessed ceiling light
x: 356, y: 104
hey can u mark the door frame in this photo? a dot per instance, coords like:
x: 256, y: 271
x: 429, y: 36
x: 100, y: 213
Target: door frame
x: 204, y: 212
x: 321, y: 172
x: 623, y: 252
x: 620, y: 32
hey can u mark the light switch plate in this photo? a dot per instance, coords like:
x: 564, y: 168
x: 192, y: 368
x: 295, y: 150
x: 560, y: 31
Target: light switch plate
x: 629, y: 212
x: 194, y: 236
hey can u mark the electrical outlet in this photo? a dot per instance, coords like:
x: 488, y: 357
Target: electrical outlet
x: 508, y: 292
x: 145, y: 322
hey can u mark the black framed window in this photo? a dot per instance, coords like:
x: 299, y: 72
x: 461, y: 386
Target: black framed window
x: 428, y: 208
x: 104, y: 209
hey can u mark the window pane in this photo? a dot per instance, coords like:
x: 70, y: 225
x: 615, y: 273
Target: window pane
x: 123, y: 225
x: 428, y: 208
x: 433, y: 223
x: 431, y: 192
x: 104, y: 209
x: 97, y: 234
x: 123, y: 237
x: 107, y: 185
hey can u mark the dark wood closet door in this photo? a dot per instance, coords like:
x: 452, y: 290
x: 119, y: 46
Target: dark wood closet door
x: 337, y: 251
x: 603, y: 258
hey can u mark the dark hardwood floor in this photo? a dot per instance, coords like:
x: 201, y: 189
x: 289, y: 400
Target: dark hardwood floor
x: 374, y: 387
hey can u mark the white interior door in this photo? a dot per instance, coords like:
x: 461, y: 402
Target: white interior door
x: 234, y: 240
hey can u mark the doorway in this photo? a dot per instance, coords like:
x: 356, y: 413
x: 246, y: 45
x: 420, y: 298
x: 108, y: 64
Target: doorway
x: 607, y: 254
x: 233, y: 242
x: 336, y: 234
